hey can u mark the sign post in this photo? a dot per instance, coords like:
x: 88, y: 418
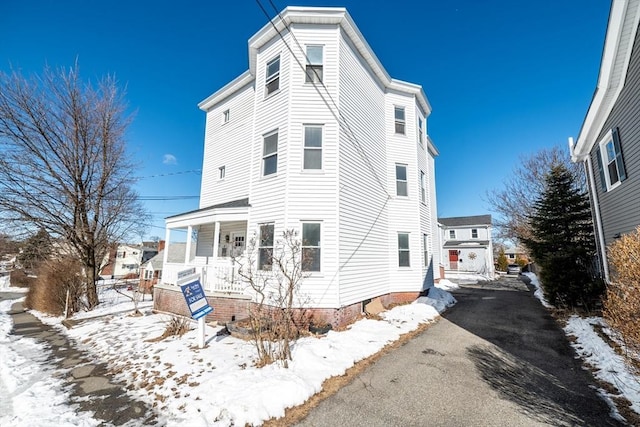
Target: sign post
x: 191, y: 288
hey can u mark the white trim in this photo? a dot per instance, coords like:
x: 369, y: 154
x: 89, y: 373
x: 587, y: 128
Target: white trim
x: 604, y: 158
x: 624, y: 17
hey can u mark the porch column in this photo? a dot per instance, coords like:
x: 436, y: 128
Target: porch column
x: 165, y: 254
x: 216, y: 241
x: 187, y: 252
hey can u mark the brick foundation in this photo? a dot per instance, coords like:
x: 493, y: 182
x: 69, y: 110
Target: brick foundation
x: 235, y: 307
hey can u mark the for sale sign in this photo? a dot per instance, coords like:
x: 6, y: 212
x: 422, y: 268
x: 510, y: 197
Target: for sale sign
x: 194, y: 296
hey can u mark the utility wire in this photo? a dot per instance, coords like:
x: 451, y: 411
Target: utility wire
x: 198, y: 171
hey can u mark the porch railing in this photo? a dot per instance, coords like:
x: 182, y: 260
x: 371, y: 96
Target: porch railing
x: 221, y: 276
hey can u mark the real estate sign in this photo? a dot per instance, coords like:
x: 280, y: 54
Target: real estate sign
x: 194, y: 294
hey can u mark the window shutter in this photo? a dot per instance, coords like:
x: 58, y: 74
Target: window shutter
x: 603, y: 183
x: 616, y: 143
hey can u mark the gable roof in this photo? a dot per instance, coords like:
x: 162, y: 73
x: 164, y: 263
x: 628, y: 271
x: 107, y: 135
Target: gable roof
x: 621, y: 31
x: 176, y: 255
x: 459, y: 221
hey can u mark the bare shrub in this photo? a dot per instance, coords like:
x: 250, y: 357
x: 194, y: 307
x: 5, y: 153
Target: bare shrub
x: 177, y: 326
x: 60, y: 285
x: 276, y: 318
x: 622, y: 305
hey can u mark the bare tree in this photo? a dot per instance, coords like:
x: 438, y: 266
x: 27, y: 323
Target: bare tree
x: 63, y: 163
x: 514, y: 202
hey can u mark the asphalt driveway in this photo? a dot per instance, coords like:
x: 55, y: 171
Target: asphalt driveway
x: 496, y: 358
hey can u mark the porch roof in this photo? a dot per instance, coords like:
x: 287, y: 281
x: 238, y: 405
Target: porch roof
x: 236, y: 210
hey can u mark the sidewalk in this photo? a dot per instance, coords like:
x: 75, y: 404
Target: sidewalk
x: 92, y: 387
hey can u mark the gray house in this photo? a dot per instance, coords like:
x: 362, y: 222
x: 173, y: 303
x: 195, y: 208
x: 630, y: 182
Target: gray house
x: 609, y: 141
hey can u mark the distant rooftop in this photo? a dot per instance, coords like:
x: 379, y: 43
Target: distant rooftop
x: 465, y: 220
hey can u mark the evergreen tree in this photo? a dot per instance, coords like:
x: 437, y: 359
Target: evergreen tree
x: 502, y: 261
x: 35, y: 249
x: 562, y: 241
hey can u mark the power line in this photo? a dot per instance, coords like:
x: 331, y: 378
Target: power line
x: 199, y: 171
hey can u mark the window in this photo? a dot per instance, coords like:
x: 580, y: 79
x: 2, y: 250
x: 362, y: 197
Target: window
x: 311, y: 246
x: 225, y: 116
x: 399, y: 119
x: 314, y: 64
x: 270, y: 154
x: 221, y: 172
x: 403, y: 250
x: 401, y: 180
x: 420, y: 131
x: 425, y: 249
x: 265, y: 247
x: 121, y: 254
x: 610, y: 161
x: 452, y: 234
x: 423, y: 187
x: 312, y: 147
x: 272, y: 80
x: 474, y: 233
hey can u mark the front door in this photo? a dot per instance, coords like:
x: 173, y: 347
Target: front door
x: 453, y: 260
x: 237, y: 243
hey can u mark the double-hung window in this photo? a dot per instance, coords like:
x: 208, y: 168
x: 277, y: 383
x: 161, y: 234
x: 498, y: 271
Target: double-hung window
x: 270, y: 154
x: 474, y: 233
x: 399, y: 119
x: 314, y: 64
x: 425, y: 249
x: 423, y: 187
x: 452, y: 234
x: 311, y: 246
x: 420, y: 131
x: 222, y: 171
x: 312, y: 147
x: 272, y: 79
x: 403, y: 250
x: 265, y: 247
x: 401, y: 180
x: 610, y: 161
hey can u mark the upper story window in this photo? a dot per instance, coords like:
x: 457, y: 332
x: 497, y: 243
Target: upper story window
x: 403, y: 250
x: 311, y: 246
x: 401, y: 180
x: 474, y: 233
x: 226, y: 115
x: 423, y: 187
x: 314, y: 64
x: 270, y: 154
x: 425, y: 249
x: 272, y: 79
x: 452, y: 234
x: 221, y: 172
x: 265, y: 247
x: 610, y: 161
x: 312, y: 147
x: 420, y: 131
x: 399, y: 119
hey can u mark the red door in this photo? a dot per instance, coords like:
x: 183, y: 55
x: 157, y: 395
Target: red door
x: 453, y: 260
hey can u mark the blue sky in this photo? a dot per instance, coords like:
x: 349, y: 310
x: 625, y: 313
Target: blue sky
x: 505, y: 78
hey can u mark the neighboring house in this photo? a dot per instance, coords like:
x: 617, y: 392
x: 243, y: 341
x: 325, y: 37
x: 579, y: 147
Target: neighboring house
x: 466, y: 244
x: 609, y: 141
x: 125, y: 260
x: 318, y: 138
x: 151, y: 270
x: 514, y: 254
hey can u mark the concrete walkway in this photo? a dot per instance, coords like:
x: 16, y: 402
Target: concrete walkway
x: 93, y: 389
x: 497, y: 358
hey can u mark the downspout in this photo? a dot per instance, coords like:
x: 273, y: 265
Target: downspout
x: 596, y: 209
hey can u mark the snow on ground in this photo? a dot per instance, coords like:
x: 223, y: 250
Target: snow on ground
x: 214, y: 386
x: 608, y: 365
x: 31, y: 390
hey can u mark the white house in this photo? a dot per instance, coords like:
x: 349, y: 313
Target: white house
x: 467, y: 245
x: 316, y: 137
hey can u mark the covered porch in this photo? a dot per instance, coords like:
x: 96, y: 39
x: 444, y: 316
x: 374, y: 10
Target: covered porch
x: 215, y: 236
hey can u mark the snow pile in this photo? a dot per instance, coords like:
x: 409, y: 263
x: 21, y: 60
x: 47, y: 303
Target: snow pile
x: 217, y: 385
x: 610, y: 367
x: 538, y: 293
x: 447, y: 285
x: 4, y: 281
